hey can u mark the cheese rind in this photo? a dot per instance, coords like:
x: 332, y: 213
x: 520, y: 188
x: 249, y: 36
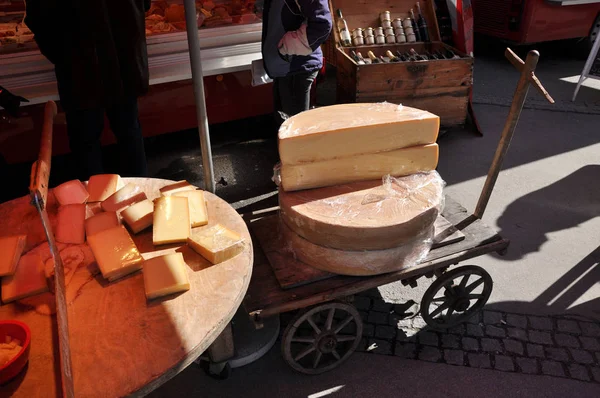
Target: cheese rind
x: 139, y: 216
x: 216, y: 243
x: 197, y: 204
x: 71, y: 192
x: 124, y: 197
x: 29, y: 279
x: 171, y: 220
x: 179, y: 186
x: 397, y: 163
x: 101, y: 186
x: 11, y: 248
x: 70, y: 227
x: 347, y: 130
x: 100, y: 222
x: 165, y: 275
x: 115, y: 252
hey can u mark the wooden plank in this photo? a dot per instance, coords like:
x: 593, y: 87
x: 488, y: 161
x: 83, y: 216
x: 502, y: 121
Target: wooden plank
x: 445, y: 233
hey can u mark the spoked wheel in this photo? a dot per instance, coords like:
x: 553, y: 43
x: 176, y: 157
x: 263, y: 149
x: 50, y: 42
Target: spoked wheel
x: 322, y: 338
x: 456, y: 296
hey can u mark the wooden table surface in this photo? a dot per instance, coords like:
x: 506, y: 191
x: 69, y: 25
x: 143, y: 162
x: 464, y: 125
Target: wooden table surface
x: 120, y: 343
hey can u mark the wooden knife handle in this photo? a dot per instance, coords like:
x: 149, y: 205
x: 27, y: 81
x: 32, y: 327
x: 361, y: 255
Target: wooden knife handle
x: 40, y: 170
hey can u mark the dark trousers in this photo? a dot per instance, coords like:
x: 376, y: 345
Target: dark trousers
x: 291, y: 94
x: 85, y: 128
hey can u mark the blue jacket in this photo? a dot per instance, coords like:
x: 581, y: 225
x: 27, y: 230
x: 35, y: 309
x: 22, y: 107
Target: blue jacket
x: 293, y: 31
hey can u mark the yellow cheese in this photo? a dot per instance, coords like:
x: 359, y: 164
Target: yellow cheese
x: 124, y: 197
x: 101, y: 186
x: 115, y: 253
x: 216, y: 243
x: 71, y: 192
x: 100, y: 222
x: 11, y: 248
x: 197, y: 204
x: 139, y: 216
x: 71, y: 224
x: 171, y: 220
x: 399, y: 162
x: 179, y: 186
x: 346, y: 130
x: 165, y: 275
x: 29, y: 279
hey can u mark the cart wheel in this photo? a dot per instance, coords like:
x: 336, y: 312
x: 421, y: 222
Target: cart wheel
x: 219, y: 371
x: 322, y: 338
x: 456, y: 296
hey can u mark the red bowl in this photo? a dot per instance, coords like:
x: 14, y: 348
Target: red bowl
x: 16, y: 330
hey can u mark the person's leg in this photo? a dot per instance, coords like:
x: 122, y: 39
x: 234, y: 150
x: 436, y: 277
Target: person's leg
x: 295, y: 93
x: 125, y: 124
x: 84, y: 129
x: 277, y: 119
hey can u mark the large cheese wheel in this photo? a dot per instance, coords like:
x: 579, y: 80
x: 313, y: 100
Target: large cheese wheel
x: 365, y: 215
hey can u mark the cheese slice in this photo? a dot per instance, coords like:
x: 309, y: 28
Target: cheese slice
x: 399, y: 162
x: 216, y: 243
x: 100, y: 222
x: 71, y: 192
x: 171, y: 220
x: 165, y: 275
x: 179, y: 186
x: 11, y: 248
x: 101, y: 186
x: 347, y: 130
x: 197, y: 204
x: 28, y: 280
x: 124, y: 197
x: 70, y: 227
x: 139, y: 216
x: 115, y: 253
x: 365, y: 215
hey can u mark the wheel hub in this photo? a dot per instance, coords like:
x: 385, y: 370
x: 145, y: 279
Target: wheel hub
x: 327, y: 343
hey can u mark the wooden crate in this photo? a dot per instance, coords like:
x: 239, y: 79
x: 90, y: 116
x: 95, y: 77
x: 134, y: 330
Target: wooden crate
x: 439, y: 86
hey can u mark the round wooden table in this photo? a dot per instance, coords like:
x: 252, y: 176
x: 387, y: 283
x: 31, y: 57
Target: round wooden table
x: 120, y: 343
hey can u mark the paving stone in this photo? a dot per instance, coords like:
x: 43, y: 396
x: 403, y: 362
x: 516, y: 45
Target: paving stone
x: 430, y: 354
x: 540, y: 337
x: 513, y: 346
x: 582, y: 356
x: 382, y: 306
x: 491, y: 345
x: 540, y: 323
x: 397, y: 321
x: 351, y: 328
x: 364, y: 315
x: 519, y: 321
x: 553, y: 368
x: 568, y: 326
x: 590, y: 343
x: 362, y: 346
x: 527, y: 365
x: 579, y: 372
x: 495, y: 331
x: 428, y: 338
x: 598, y: 357
x: 475, y: 319
x: 590, y: 329
x: 474, y: 330
x: 362, y: 303
x: 557, y: 354
x: 596, y: 374
x: 378, y: 346
x: 504, y: 363
x: 534, y: 350
x: 566, y: 340
x: 458, y: 329
x: 454, y: 357
x: 373, y: 293
x: 406, y: 350
x: 378, y: 318
x: 480, y: 361
x: 518, y: 334
x: 368, y: 330
x: 419, y: 323
x: 492, y: 318
x: 450, y: 341
x: 470, y: 344
x: 385, y: 332
x: 406, y: 336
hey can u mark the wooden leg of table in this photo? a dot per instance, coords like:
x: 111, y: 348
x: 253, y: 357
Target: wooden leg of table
x: 222, y: 348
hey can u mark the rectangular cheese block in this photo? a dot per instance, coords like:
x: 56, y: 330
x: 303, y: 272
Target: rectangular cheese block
x: 165, y: 275
x: 397, y: 163
x: 71, y: 192
x: 216, y: 243
x: 101, y: 186
x: 70, y: 226
x: 171, y: 220
x: 100, y: 222
x: 29, y: 279
x: 124, y: 197
x: 197, y: 204
x: 11, y: 248
x: 139, y: 216
x: 115, y: 252
x: 179, y: 186
x: 346, y: 130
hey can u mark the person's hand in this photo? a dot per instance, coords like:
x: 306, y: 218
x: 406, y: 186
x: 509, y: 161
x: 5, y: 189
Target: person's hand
x: 10, y: 102
x: 295, y: 43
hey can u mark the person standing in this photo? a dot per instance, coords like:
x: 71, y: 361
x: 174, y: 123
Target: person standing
x: 99, y: 52
x: 293, y: 31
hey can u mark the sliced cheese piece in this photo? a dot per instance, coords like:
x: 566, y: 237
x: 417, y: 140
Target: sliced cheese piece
x: 216, y: 243
x: 101, y: 186
x: 124, y: 197
x: 365, y: 215
x: 171, y: 220
x: 71, y: 192
x: 11, y: 248
x: 353, y: 129
x: 28, y: 280
x: 115, y: 252
x: 197, y: 204
x: 399, y: 162
x: 100, y: 222
x: 139, y: 216
x: 70, y: 227
x: 165, y: 275
x: 179, y: 186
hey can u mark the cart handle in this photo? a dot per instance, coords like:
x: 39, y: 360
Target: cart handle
x: 40, y: 170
